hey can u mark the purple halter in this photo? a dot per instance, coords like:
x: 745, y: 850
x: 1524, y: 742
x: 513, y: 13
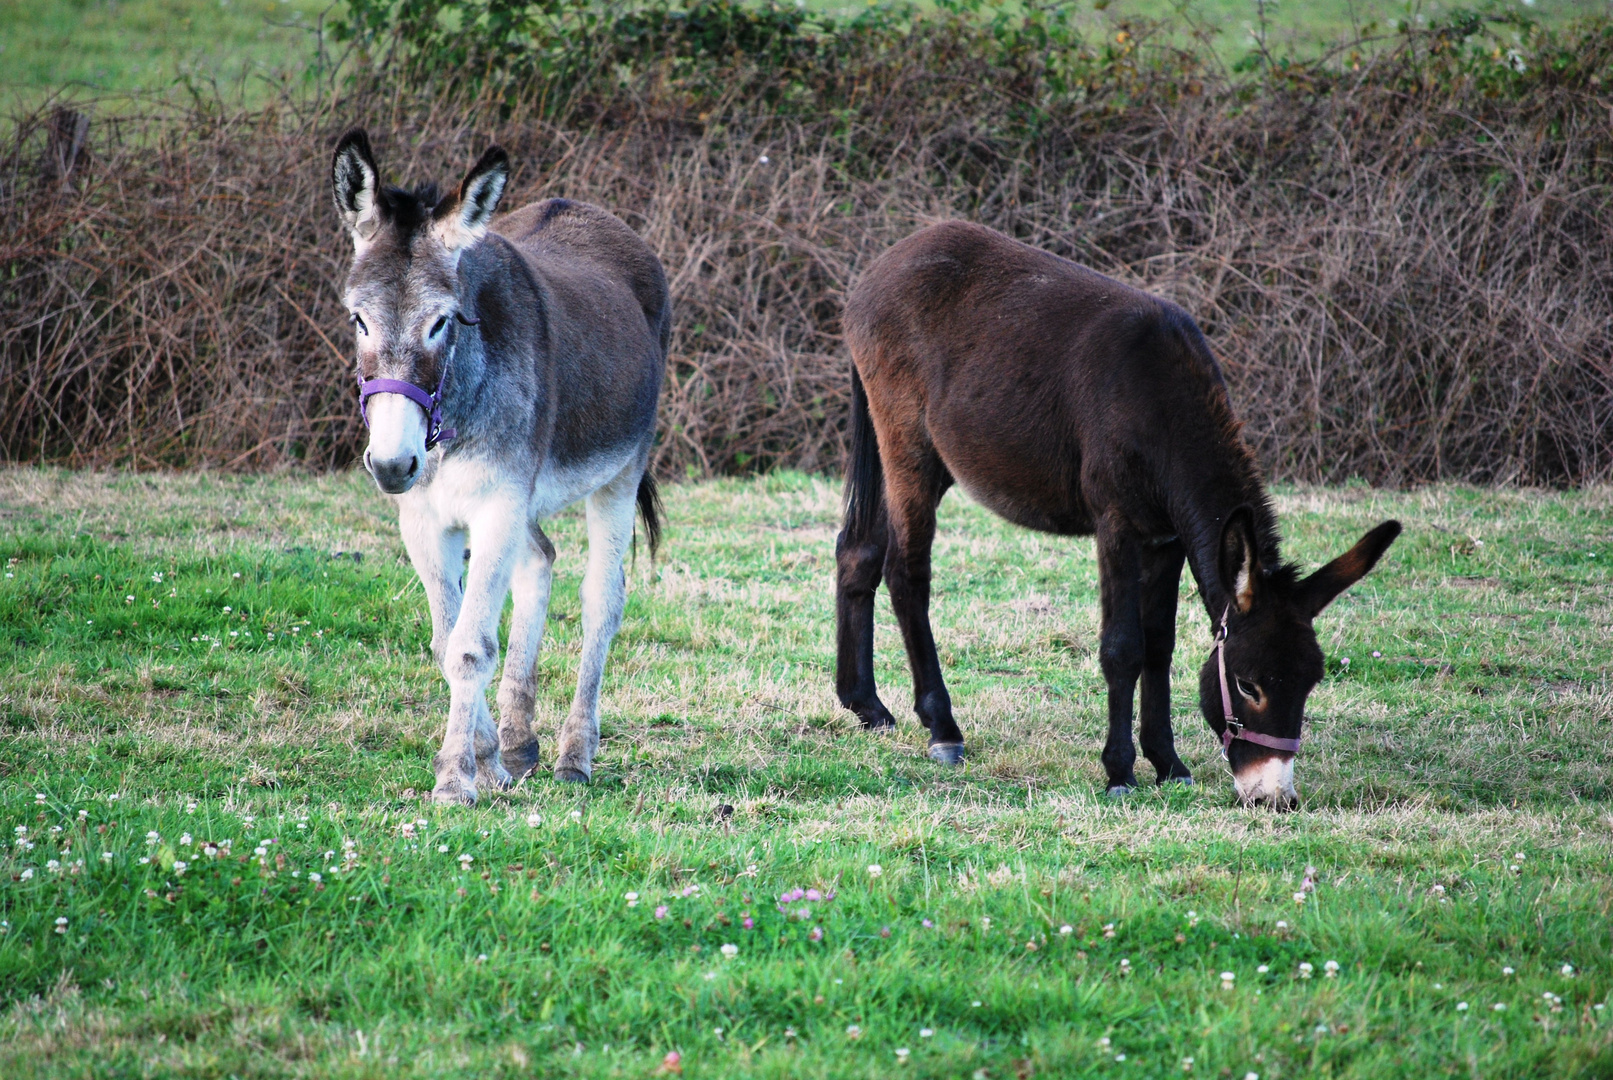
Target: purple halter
x: 431, y: 403
x: 1235, y: 729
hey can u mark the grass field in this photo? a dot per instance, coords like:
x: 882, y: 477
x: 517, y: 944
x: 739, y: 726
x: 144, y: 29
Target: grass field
x: 88, y: 47
x: 217, y: 861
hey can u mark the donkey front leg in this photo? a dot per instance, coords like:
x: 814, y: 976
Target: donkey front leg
x: 469, y: 753
x: 530, y: 580
x: 1120, y: 649
x: 604, y: 593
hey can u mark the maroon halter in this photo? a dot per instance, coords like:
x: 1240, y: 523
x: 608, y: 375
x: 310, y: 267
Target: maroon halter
x: 1235, y: 729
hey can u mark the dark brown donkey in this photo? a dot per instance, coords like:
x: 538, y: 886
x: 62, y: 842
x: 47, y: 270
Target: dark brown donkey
x: 1068, y: 402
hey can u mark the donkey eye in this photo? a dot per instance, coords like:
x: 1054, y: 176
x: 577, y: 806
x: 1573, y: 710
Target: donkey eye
x: 1250, y: 690
x: 359, y: 323
x: 436, y: 327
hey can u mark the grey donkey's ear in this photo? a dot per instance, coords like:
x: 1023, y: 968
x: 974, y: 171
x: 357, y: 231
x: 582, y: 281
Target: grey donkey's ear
x: 462, y: 219
x: 354, y: 185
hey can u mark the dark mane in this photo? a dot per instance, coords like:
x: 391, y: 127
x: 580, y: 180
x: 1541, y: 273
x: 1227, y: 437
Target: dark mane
x: 409, y: 210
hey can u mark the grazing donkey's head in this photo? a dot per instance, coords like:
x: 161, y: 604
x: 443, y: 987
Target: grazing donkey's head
x: 403, y: 296
x: 1266, y: 660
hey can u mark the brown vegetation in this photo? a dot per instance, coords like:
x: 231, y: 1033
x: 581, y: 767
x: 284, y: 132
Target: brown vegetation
x: 1404, y: 279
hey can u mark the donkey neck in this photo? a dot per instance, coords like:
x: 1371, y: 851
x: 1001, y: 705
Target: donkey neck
x: 1200, y: 513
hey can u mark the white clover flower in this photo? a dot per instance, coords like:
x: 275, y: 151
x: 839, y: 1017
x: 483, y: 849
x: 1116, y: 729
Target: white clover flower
x: 184, y: 840
x: 442, y: 849
x: 1103, y: 1043
x: 106, y: 856
x: 1120, y: 1057
x: 1499, y: 1007
x: 315, y: 877
x: 1461, y: 1006
x: 260, y: 851
x: 1227, y: 979
x: 1066, y: 930
x: 465, y: 861
x: 534, y: 819
x: 226, y: 611
x: 925, y: 1033
x: 28, y: 872
x: 576, y: 815
x: 985, y: 922
x: 152, y: 837
x: 875, y: 870
x: 1299, y: 898
x: 144, y: 859
x: 53, y: 866
x: 1331, y: 968
x: 1568, y: 969
x: 1282, y: 924
x: 632, y: 899
x: 179, y: 867
x: 1262, y: 969
x: 1305, y: 970
x: 1506, y: 971
x: 853, y: 1031
x: 730, y: 951
x: 61, y: 924
x: 1125, y: 966
x: 1251, y: 1076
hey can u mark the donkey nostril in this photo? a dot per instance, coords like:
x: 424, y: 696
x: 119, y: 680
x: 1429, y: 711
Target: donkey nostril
x: 414, y: 465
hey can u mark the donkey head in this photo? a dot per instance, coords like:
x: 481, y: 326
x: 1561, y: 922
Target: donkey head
x: 1272, y: 660
x: 403, y: 294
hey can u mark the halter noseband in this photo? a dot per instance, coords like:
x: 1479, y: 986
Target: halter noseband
x: 1235, y: 729
x: 431, y: 403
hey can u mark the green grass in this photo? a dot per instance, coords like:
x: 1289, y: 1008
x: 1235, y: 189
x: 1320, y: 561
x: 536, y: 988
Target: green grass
x: 1484, y: 730
x: 92, y: 47
x: 110, y: 46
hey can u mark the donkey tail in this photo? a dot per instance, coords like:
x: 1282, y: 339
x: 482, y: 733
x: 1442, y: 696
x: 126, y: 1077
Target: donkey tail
x: 651, y: 510
x: 865, y: 476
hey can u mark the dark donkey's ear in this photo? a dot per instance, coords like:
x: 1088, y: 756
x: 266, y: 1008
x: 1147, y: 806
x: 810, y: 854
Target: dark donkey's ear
x: 1240, y: 561
x: 1318, y: 590
x: 354, y: 184
x: 462, y: 219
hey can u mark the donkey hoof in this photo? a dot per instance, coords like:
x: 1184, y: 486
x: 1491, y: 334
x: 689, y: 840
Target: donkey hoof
x: 521, y: 761
x: 454, y: 793
x: 879, y: 725
x: 947, y: 753
x: 494, y: 776
x: 1185, y: 781
x: 570, y: 776
x: 1120, y: 791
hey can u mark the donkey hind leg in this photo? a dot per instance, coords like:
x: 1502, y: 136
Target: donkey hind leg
x: 604, y: 592
x: 912, y: 496
x: 469, y: 752
x: 859, y: 563
x: 1161, y: 580
x: 530, y: 580
x: 1120, y: 649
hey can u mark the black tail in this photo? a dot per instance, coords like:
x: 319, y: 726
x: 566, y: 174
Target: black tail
x: 650, y: 509
x: 865, y: 477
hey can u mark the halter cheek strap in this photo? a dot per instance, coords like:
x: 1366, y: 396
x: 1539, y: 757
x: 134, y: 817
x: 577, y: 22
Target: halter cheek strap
x: 1235, y: 729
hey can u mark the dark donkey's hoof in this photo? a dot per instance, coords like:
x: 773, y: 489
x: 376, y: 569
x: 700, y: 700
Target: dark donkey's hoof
x: 1120, y: 791
x: 947, y: 753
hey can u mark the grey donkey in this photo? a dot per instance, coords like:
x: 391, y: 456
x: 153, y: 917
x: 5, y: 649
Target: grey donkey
x: 507, y: 369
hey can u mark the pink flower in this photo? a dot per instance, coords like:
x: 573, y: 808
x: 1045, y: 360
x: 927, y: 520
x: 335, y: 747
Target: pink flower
x: 928, y: 925
x: 748, y: 923
x: 661, y: 912
x: 816, y: 934
x: 791, y: 896
x: 814, y: 894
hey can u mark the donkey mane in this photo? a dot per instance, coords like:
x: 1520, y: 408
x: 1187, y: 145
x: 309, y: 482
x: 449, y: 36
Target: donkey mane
x: 1240, y: 459
x: 409, y: 210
